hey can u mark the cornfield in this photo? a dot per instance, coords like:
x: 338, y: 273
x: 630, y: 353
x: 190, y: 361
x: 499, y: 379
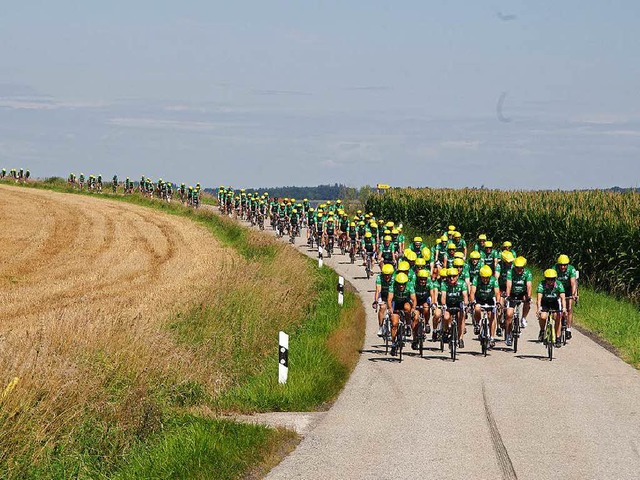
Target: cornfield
x: 599, y: 230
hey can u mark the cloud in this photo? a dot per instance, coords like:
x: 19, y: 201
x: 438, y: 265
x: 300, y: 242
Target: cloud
x: 370, y: 88
x: 35, y: 104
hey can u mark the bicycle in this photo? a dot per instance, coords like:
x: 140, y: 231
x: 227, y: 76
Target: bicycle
x: 516, y: 326
x: 453, y: 332
x: 549, y: 338
x: 485, y: 332
x: 352, y: 251
x: 330, y: 241
x: 421, y: 330
x: 368, y: 264
x: 386, y: 328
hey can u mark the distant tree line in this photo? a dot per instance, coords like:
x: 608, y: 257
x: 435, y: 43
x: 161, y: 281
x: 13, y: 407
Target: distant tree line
x: 320, y: 192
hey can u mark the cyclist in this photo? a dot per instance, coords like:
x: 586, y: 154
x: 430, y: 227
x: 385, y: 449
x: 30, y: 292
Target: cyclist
x: 568, y: 277
x: 484, y: 292
x: 440, y: 252
x: 450, y: 255
x: 489, y: 255
x: 330, y: 233
x: 369, y: 247
x: 416, y: 246
x: 474, y: 265
x: 424, y: 289
x: 479, y: 246
x: 386, y: 252
x: 461, y: 245
x: 404, y: 267
x: 381, y: 295
x: 401, y: 298
x: 294, y: 220
x: 507, y: 246
x: 463, y: 272
x: 519, y: 288
x: 501, y: 271
x: 454, y: 295
x: 550, y: 301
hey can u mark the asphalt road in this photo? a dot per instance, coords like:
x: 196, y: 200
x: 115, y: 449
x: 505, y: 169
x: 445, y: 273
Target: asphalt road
x: 502, y: 416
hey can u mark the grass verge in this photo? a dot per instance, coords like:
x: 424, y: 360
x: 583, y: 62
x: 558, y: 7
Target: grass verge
x: 273, y: 288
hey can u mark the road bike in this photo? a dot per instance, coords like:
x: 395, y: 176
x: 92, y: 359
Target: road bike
x: 549, y: 338
x: 516, y: 326
x: 485, y: 332
x: 369, y: 264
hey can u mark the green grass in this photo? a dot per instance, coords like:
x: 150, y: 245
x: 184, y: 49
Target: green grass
x: 315, y: 374
x: 180, y: 445
x: 200, y: 448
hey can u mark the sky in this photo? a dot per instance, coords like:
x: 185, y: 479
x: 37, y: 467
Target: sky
x: 501, y: 94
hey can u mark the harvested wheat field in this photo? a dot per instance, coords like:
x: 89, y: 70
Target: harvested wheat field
x: 87, y: 288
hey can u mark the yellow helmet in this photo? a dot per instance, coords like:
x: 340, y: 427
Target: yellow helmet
x: 426, y: 253
x: 451, y: 246
x: 367, y: 235
x: 390, y: 224
x: 417, y: 239
x: 450, y: 233
x: 457, y: 235
x: 488, y: 243
x: 352, y: 224
x: 403, y: 266
x: 395, y: 231
x: 421, y: 262
x: 475, y: 255
x: 507, y: 256
x: 411, y: 256
x: 482, y: 236
x: 485, y: 271
x: 458, y: 255
x: 443, y: 238
x: 401, y: 278
x: 458, y: 262
x: 387, y: 238
x: 520, y: 262
x: 443, y: 273
x: 361, y: 223
x: 563, y: 259
x: 507, y: 244
x: 423, y: 274
x: 387, y: 269
x: 387, y: 232
x: 452, y: 228
x: 359, y: 212
x: 373, y: 224
x: 453, y: 272
x: 550, y: 273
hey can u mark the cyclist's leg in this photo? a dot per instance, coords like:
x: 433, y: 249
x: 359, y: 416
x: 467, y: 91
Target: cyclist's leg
x: 395, y: 320
x: 569, y: 313
x: 460, y: 316
x: 492, y: 323
x: 558, y: 323
x: 509, y: 318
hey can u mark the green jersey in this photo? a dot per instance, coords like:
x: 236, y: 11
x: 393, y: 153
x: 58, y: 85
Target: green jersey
x: 401, y: 296
x: 369, y: 244
x: 454, y: 293
x: 565, y: 278
x: 550, y: 294
x: 502, y: 270
x: 423, y: 291
x: 460, y: 245
x: 474, y: 270
x: 519, y: 282
x: 387, y: 252
x: 485, y: 292
x: 384, y: 285
x: 489, y: 258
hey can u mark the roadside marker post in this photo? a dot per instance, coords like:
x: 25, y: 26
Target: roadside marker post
x: 320, y: 261
x: 283, y: 358
x: 340, y: 291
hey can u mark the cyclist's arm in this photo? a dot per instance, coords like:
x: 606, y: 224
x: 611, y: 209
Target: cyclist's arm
x: 538, y: 302
x: 465, y: 297
x: 414, y: 301
x: 509, y: 283
x: 443, y: 298
x: 529, y: 288
x: 573, y: 287
x: 376, y: 295
x: 390, y: 301
x: 472, y: 294
x: 563, y: 301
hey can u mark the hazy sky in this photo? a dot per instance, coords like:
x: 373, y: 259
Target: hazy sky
x: 505, y: 94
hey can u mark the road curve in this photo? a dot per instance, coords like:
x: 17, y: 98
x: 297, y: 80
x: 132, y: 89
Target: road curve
x: 504, y: 416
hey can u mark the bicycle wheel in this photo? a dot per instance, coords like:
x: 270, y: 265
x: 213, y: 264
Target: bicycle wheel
x: 484, y: 338
x: 400, y: 340
x: 549, y: 338
x: 515, y: 332
x: 420, y: 335
x: 441, y: 332
x: 453, y: 343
